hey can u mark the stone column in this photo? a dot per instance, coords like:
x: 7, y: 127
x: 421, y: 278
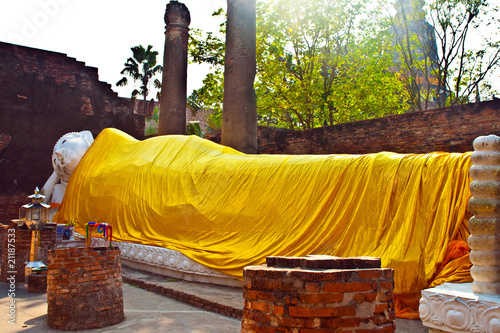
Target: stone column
x: 484, y: 226
x: 239, y: 116
x: 474, y: 307
x: 174, y: 81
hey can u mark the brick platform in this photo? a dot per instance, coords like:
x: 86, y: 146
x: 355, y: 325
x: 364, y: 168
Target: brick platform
x: 84, y: 288
x: 318, y: 294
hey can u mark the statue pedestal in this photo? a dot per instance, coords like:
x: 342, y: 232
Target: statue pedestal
x: 453, y: 307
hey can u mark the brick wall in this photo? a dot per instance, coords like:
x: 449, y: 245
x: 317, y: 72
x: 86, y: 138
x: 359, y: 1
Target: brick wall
x: 44, y: 95
x: 84, y: 288
x: 3, y: 237
x: 318, y: 294
x: 449, y: 129
x: 10, y: 206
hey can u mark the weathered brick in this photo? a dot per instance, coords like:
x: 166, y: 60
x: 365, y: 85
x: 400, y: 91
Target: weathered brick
x: 312, y: 286
x: 369, y: 273
x: 383, y: 296
x: 304, y: 312
x: 291, y: 322
x: 359, y: 298
x: 388, y: 273
x: 321, y: 298
x: 347, y: 286
x: 326, y: 275
x: 256, y: 316
x: 386, y: 285
x: 380, y: 308
x: 370, y: 297
x: 278, y: 310
x: 258, y: 306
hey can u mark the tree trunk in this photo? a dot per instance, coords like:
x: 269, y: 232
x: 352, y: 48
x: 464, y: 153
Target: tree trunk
x: 239, y: 115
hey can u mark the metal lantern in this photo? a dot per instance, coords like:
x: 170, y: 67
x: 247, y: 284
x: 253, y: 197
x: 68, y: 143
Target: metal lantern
x: 34, y: 215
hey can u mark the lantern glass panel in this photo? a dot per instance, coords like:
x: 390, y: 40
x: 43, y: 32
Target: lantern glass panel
x: 44, y: 216
x: 22, y: 213
x: 35, y: 214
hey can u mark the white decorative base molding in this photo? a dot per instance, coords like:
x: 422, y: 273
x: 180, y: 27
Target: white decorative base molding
x: 168, y: 262
x: 453, y: 307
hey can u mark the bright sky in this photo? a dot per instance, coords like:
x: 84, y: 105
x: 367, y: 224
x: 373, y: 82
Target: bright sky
x: 101, y: 32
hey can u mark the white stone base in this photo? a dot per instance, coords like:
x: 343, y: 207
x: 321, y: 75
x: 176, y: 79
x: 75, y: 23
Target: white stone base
x: 453, y: 307
x: 168, y: 262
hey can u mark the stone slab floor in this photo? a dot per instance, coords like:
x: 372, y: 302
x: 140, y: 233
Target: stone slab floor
x: 144, y: 312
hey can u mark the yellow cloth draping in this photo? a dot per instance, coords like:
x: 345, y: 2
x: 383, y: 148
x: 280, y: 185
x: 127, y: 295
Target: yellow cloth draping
x: 226, y: 210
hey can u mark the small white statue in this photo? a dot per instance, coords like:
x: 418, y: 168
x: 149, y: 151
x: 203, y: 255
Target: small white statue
x: 66, y: 155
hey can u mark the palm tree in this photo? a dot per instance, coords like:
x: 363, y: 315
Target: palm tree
x: 141, y: 67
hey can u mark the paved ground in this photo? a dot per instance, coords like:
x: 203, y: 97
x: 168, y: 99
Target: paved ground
x: 151, y: 311
x: 144, y: 312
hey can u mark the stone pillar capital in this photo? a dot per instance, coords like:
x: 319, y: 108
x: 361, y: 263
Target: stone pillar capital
x: 177, y: 15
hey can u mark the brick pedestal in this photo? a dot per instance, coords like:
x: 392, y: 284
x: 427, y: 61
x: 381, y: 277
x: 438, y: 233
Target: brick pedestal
x: 318, y: 294
x: 37, y: 283
x: 84, y: 289
x: 47, y: 241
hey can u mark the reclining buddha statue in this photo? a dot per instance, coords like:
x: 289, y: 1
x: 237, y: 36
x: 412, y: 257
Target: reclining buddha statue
x: 227, y: 210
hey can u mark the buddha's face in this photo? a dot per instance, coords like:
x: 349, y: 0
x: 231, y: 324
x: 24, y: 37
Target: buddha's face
x: 68, y: 151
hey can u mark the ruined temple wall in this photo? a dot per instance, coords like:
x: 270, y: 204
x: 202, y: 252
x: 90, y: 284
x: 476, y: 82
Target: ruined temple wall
x: 451, y: 129
x: 44, y: 95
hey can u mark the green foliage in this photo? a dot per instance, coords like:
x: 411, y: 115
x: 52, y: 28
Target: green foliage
x: 156, y: 114
x: 142, y: 67
x: 456, y: 72
x: 210, y: 95
x: 152, y: 123
x: 331, y: 61
x: 150, y: 130
x: 318, y: 62
x: 193, y: 128
x: 208, y: 48
x: 214, y: 124
x: 323, y: 62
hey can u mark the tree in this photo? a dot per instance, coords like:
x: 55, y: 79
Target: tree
x: 440, y: 65
x: 324, y: 62
x: 210, y: 49
x: 330, y: 64
x: 141, y: 67
x: 318, y: 62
